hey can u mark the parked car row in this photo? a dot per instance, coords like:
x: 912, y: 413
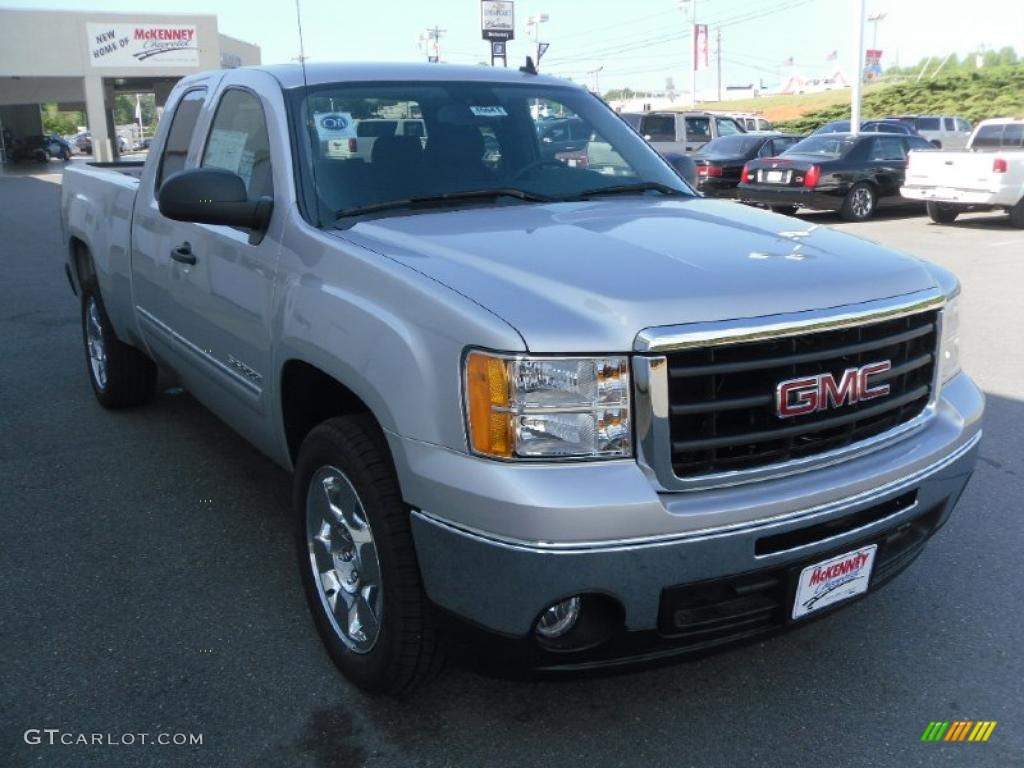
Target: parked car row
x: 38, y: 148
x: 834, y: 169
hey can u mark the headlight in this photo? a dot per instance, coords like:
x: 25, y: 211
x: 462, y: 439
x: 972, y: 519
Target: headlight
x: 949, y: 347
x: 548, y: 407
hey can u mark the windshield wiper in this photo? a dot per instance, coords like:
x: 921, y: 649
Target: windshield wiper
x: 446, y: 199
x: 630, y: 189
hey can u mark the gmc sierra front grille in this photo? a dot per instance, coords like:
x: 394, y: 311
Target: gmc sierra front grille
x: 723, y: 411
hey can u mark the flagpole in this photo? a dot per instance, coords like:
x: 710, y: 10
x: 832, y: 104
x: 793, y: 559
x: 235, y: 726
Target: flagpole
x: 859, y: 79
x: 138, y: 116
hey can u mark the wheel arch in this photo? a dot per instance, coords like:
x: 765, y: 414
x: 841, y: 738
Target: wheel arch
x: 310, y: 395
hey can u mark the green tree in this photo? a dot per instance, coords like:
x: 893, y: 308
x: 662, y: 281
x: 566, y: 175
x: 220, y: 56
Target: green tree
x: 63, y: 123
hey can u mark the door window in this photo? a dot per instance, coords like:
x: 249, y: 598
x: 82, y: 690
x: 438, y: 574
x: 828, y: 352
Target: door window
x: 1013, y: 135
x: 698, y: 129
x: 889, y: 148
x: 659, y: 127
x: 238, y: 142
x: 727, y: 127
x: 183, y: 123
x: 929, y: 124
x: 949, y: 123
x: 962, y: 125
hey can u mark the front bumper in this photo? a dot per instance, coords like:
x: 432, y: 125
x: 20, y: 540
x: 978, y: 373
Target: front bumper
x: 607, y: 532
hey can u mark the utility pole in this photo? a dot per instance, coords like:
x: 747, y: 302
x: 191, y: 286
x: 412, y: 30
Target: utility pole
x: 693, y: 72
x: 874, y: 19
x: 597, y: 79
x: 718, y: 44
x: 432, y: 39
x: 859, y: 69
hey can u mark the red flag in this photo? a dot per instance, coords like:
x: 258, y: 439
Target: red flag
x: 788, y: 62
x: 832, y: 56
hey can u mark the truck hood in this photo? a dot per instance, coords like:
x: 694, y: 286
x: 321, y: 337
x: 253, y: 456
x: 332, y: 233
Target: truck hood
x: 587, y: 277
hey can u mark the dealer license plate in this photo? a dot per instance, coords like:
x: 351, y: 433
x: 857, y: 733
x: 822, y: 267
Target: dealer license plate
x: 776, y: 177
x: 838, y: 578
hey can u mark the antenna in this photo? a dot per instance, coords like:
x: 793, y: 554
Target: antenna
x: 308, y: 121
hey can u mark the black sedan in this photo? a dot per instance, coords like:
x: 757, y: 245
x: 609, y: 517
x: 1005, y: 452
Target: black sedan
x: 719, y: 162
x: 833, y: 172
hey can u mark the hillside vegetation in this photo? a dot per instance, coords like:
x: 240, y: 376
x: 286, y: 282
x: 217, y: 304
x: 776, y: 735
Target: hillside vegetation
x: 781, y: 107
x: 976, y: 95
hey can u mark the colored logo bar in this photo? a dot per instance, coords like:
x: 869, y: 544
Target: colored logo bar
x: 959, y: 730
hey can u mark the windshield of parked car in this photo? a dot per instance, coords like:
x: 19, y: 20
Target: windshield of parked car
x: 836, y: 126
x: 380, y: 145
x: 825, y: 145
x: 736, y: 145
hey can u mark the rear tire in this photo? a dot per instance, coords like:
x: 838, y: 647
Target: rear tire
x: 357, y: 560
x: 942, y: 213
x: 121, y: 375
x: 785, y: 210
x: 1017, y: 214
x: 859, y: 203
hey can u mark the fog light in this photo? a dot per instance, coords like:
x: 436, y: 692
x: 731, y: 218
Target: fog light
x: 559, y: 618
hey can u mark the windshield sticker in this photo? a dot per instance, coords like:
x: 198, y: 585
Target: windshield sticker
x: 489, y: 111
x: 245, y: 164
x: 224, y: 149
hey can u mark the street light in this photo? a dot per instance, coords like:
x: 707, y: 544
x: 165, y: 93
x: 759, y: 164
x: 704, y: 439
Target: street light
x: 533, y: 28
x: 874, y: 19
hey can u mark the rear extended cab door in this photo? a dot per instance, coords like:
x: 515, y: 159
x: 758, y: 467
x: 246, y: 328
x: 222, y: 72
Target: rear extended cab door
x: 210, y: 316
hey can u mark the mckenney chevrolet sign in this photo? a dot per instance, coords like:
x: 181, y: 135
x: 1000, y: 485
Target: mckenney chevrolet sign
x: 143, y: 45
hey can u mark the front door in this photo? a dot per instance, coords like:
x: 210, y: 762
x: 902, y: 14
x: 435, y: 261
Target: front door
x: 223, y: 291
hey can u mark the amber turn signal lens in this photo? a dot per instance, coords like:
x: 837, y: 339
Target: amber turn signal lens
x: 487, y: 392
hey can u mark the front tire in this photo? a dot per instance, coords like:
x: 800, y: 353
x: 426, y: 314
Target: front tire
x: 121, y: 375
x: 859, y: 203
x: 942, y: 213
x: 357, y: 560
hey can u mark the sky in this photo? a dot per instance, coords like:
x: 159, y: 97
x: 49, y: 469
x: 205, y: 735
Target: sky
x: 638, y: 43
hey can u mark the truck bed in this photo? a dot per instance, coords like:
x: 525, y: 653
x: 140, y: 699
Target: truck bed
x: 96, y: 208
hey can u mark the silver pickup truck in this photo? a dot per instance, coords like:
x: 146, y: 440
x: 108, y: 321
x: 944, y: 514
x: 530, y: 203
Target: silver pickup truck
x: 581, y: 418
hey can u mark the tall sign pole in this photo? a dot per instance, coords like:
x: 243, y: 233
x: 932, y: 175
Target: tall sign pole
x: 858, y: 81
x: 497, y: 25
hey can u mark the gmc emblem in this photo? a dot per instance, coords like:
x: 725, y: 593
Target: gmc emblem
x: 797, y: 397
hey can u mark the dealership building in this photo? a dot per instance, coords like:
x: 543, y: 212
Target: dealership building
x: 82, y: 60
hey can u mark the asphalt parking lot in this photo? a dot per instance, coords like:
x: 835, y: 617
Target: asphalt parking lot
x: 131, y: 605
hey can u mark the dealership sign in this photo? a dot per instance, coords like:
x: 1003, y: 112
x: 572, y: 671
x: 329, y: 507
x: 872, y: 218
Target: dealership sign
x: 497, y: 20
x: 143, y: 45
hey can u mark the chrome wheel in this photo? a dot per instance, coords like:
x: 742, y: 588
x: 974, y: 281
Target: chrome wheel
x: 343, y: 556
x: 861, y: 202
x: 94, y: 340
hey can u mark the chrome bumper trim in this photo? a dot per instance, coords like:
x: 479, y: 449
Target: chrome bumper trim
x: 894, y: 488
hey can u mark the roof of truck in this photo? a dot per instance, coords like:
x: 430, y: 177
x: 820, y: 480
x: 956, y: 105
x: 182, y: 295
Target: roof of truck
x: 291, y: 75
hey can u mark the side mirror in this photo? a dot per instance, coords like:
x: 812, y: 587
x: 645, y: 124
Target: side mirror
x: 212, y: 196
